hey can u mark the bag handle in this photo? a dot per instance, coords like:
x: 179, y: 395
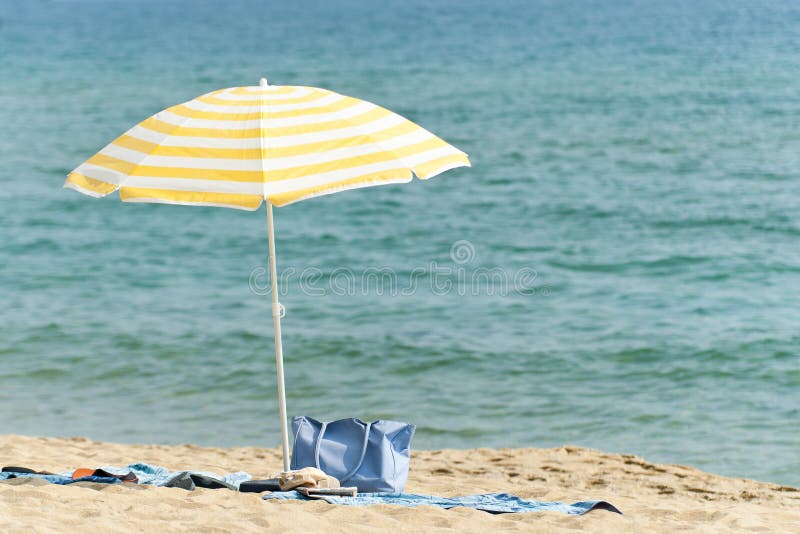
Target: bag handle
x: 349, y: 475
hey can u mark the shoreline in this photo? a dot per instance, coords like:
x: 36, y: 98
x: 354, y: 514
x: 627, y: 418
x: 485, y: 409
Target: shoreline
x: 654, y: 497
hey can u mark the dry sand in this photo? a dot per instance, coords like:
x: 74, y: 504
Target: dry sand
x: 654, y: 498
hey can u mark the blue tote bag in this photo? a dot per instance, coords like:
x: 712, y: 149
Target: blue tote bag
x: 371, y: 456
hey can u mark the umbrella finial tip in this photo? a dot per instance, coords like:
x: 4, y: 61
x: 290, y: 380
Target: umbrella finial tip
x: 263, y: 82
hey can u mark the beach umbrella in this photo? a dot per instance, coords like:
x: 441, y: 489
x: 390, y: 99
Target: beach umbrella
x: 240, y: 146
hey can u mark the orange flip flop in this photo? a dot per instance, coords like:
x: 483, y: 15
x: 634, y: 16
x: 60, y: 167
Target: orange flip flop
x: 82, y: 472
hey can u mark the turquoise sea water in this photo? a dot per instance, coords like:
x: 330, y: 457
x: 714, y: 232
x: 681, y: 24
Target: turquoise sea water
x: 641, y: 158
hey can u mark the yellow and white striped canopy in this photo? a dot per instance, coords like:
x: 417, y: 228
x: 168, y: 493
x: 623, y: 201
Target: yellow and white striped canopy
x: 236, y: 147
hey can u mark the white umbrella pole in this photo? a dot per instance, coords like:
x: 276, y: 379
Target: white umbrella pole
x: 278, y: 312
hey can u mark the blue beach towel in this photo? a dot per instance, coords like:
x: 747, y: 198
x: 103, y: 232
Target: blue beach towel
x: 152, y: 475
x: 159, y: 476
x: 62, y: 480
x: 496, y: 503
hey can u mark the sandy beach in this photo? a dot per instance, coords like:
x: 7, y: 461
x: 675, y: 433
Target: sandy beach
x: 653, y: 497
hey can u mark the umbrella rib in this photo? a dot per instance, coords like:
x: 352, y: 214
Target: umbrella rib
x: 262, y: 141
x: 148, y: 154
x: 380, y: 143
